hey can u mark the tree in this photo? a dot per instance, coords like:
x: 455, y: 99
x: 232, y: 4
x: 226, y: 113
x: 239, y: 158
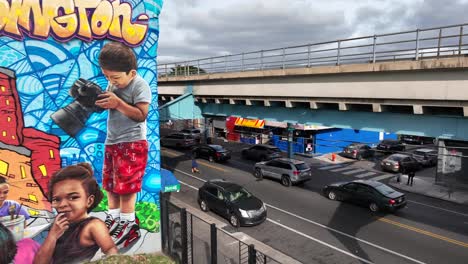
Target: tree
x: 181, y: 70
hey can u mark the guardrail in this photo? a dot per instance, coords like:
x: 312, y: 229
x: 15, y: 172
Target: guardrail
x: 408, y: 45
x: 189, y: 239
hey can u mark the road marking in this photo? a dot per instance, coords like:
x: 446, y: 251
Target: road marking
x: 329, y: 167
x: 173, y: 153
x: 341, y: 169
x: 381, y: 177
x: 201, y: 162
x: 370, y: 173
x: 344, y: 234
x: 319, y: 241
x: 354, y: 171
x: 212, y: 166
x: 435, y: 207
x: 317, y: 224
x: 424, y: 232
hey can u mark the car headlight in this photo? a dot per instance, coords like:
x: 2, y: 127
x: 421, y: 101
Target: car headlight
x: 243, y: 213
x: 264, y: 207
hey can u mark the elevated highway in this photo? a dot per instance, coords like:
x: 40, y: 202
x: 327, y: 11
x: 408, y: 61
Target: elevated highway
x: 412, y: 82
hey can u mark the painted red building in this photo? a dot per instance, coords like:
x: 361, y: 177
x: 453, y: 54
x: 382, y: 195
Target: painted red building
x: 44, y: 148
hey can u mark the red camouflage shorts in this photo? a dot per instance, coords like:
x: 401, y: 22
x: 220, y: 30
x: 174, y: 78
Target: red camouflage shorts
x: 124, y: 167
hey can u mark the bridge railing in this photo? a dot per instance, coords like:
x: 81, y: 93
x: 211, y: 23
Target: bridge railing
x: 408, y: 45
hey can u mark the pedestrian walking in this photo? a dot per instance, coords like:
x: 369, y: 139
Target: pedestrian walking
x: 398, y: 176
x: 195, y: 165
x: 411, y: 175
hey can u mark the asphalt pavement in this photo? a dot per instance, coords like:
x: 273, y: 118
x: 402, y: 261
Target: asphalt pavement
x: 423, y: 184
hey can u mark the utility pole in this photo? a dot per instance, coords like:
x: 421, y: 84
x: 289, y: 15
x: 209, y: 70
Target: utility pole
x: 290, y: 139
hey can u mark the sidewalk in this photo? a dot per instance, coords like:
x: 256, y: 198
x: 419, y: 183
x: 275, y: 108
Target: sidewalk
x: 427, y: 186
x: 421, y: 185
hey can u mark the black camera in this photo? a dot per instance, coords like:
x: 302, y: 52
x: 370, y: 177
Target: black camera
x: 72, y: 117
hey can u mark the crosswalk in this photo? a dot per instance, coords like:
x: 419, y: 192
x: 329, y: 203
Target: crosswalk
x: 357, y: 172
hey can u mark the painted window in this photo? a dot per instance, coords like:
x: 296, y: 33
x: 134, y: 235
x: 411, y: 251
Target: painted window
x: 4, y: 167
x: 43, y: 170
x: 51, y: 154
x: 23, y: 172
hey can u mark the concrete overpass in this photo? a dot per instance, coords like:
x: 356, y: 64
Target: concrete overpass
x: 418, y: 89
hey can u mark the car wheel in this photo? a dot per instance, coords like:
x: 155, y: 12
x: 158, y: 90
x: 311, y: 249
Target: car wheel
x: 332, y: 196
x: 285, y: 181
x: 210, y: 159
x: 258, y: 173
x: 234, y: 220
x: 204, y: 206
x: 373, y: 207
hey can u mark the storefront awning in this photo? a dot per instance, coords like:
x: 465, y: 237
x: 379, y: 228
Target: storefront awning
x: 254, y: 123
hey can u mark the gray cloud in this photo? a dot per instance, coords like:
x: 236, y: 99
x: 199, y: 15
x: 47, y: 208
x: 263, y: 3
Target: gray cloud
x: 197, y: 29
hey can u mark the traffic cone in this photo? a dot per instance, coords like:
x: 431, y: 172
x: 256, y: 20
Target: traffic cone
x: 333, y: 157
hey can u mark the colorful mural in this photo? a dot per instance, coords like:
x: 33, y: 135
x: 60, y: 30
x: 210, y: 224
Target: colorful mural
x: 45, y: 47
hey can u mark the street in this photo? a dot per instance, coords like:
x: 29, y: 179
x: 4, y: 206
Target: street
x: 302, y: 223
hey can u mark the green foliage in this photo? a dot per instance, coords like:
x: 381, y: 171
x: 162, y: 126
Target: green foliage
x: 148, y: 213
x: 182, y: 70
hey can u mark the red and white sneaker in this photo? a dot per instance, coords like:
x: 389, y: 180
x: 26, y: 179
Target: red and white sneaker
x: 111, y: 223
x: 126, y: 233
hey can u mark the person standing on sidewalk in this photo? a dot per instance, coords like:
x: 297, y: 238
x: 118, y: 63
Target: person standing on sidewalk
x: 411, y: 175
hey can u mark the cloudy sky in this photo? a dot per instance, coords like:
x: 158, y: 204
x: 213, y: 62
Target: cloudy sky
x: 192, y: 29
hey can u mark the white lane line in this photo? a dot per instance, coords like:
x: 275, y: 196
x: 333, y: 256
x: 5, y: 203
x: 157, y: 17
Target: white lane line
x: 435, y: 207
x: 381, y: 177
x: 329, y: 167
x: 344, y: 234
x: 342, y: 169
x: 319, y: 241
x: 370, y: 173
x: 354, y: 171
x: 323, y: 226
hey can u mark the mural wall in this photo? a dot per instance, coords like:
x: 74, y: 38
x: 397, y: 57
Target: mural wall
x: 45, y: 47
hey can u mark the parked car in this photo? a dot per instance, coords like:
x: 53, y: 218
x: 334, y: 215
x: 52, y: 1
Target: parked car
x: 178, y: 140
x: 357, y: 151
x: 390, y: 145
x: 373, y: 194
x: 400, y: 163
x: 419, y: 140
x: 261, y: 152
x: 289, y: 171
x: 212, y: 152
x: 232, y: 202
x: 426, y: 157
x: 194, y: 132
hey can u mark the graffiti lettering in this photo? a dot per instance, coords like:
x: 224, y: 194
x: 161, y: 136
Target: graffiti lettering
x: 66, y: 19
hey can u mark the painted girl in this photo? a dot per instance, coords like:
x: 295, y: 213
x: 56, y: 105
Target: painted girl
x: 7, y: 205
x: 74, y: 236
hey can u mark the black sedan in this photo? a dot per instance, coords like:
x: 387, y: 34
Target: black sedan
x: 211, y: 152
x: 261, y: 152
x: 390, y: 146
x: 375, y: 195
x: 232, y: 202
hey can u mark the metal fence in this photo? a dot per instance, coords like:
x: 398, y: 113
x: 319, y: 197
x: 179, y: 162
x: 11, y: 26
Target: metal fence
x: 416, y: 44
x: 189, y: 239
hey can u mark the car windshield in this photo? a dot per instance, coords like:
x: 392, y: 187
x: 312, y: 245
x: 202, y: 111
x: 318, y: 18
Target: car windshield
x: 239, y: 194
x: 272, y: 150
x: 302, y: 166
x: 217, y: 147
x: 395, y: 158
x: 351, y: 147
x: 384, y: 189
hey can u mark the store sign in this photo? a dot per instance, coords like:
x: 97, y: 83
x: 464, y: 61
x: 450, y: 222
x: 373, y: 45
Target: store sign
x: 255, y: 123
